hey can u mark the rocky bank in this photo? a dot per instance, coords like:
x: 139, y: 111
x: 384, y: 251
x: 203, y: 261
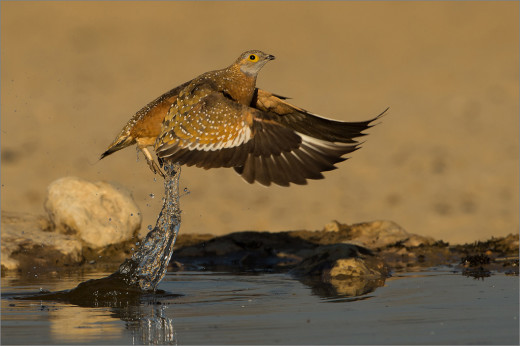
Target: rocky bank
x: 95, y: 226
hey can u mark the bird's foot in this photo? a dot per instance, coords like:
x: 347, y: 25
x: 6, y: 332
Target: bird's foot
x: 154, y: 166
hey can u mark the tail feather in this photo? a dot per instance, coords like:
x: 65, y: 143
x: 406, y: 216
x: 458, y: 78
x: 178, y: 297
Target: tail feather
x: 119, y: 144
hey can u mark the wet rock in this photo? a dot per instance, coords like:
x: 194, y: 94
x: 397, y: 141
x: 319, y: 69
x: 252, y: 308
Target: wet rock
x: 342, y: 269
x: 340, y: 261
x: 283, y: 251
x: 98, y: 213
x: 332, y: 256
x: 333, y: 252
x: 347, y: 277
x: 339, y: 269
x: 28, y: 243
x: 503, y: 246
x: 481, y: 258
x: 475, y: 260
x: 244, y: 251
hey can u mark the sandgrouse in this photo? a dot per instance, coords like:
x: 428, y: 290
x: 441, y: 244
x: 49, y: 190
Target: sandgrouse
x: 220, y: 119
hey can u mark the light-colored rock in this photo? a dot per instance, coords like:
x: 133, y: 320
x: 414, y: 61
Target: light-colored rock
x: 25, y: 239
x: 98, y: 213
x: 380, y: 234
x: 333, y: 226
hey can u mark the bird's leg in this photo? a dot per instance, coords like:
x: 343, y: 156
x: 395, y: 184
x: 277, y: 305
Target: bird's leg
x: 151, y: 163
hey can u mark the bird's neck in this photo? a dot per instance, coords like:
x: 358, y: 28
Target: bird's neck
x: 238, y: 85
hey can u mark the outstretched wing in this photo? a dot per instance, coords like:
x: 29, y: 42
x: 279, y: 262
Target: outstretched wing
x: 272, y: 142
x: 307, y: 123
x: 323, y: 143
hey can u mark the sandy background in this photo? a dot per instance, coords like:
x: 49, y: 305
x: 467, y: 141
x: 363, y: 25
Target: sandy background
x: 443, y: 162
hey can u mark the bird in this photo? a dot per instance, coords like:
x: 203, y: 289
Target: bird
x: 221, y: 119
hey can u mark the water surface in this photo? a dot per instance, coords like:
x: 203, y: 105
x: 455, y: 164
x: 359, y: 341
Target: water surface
x: 432, y: 307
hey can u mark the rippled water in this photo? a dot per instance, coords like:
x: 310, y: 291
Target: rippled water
x: 433, y: 307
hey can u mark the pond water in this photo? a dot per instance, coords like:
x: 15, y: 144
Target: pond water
x: 437, y: 306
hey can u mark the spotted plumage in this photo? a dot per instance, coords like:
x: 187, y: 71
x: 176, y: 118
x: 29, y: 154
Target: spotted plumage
x: 220, y: 119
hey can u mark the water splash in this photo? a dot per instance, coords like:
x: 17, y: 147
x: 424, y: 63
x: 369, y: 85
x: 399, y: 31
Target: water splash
x: 148, y: 264
x: 144, y: 270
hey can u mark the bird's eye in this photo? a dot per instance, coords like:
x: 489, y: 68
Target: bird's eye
x: 253, y: 57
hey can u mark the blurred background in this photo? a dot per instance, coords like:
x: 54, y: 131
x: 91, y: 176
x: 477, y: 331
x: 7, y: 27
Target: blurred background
x: 443, y: 162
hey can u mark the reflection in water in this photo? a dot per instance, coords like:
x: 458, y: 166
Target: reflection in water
x: 154, y: 327
x: 149, y: 316
x: 277, y: 309
x: 73, y: 323
x: 356, y: 286
x: 344, y: 287
x: 147, y: 322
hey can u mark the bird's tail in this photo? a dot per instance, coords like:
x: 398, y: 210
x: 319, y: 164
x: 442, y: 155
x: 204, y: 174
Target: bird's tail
x: 118, y: 144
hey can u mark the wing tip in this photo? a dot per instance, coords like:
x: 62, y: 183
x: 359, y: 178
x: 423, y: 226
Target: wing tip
x: 378, y: 117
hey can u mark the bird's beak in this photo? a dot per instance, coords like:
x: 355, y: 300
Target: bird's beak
x: 270, y: 57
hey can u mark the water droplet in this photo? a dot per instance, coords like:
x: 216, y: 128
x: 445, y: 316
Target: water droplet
x: 133, y: 249
x: 152, y: 195
x: 137, y: 244
x: 150, y: 227
x: 109, y: 219
x: 131, y: 214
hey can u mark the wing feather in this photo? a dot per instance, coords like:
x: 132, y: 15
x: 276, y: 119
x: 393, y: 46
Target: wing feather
x: 270, y: 142
x: 307, y: 123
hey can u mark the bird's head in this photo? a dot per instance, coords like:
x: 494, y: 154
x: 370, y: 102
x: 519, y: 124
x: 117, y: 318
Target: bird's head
x: 252, y: 61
